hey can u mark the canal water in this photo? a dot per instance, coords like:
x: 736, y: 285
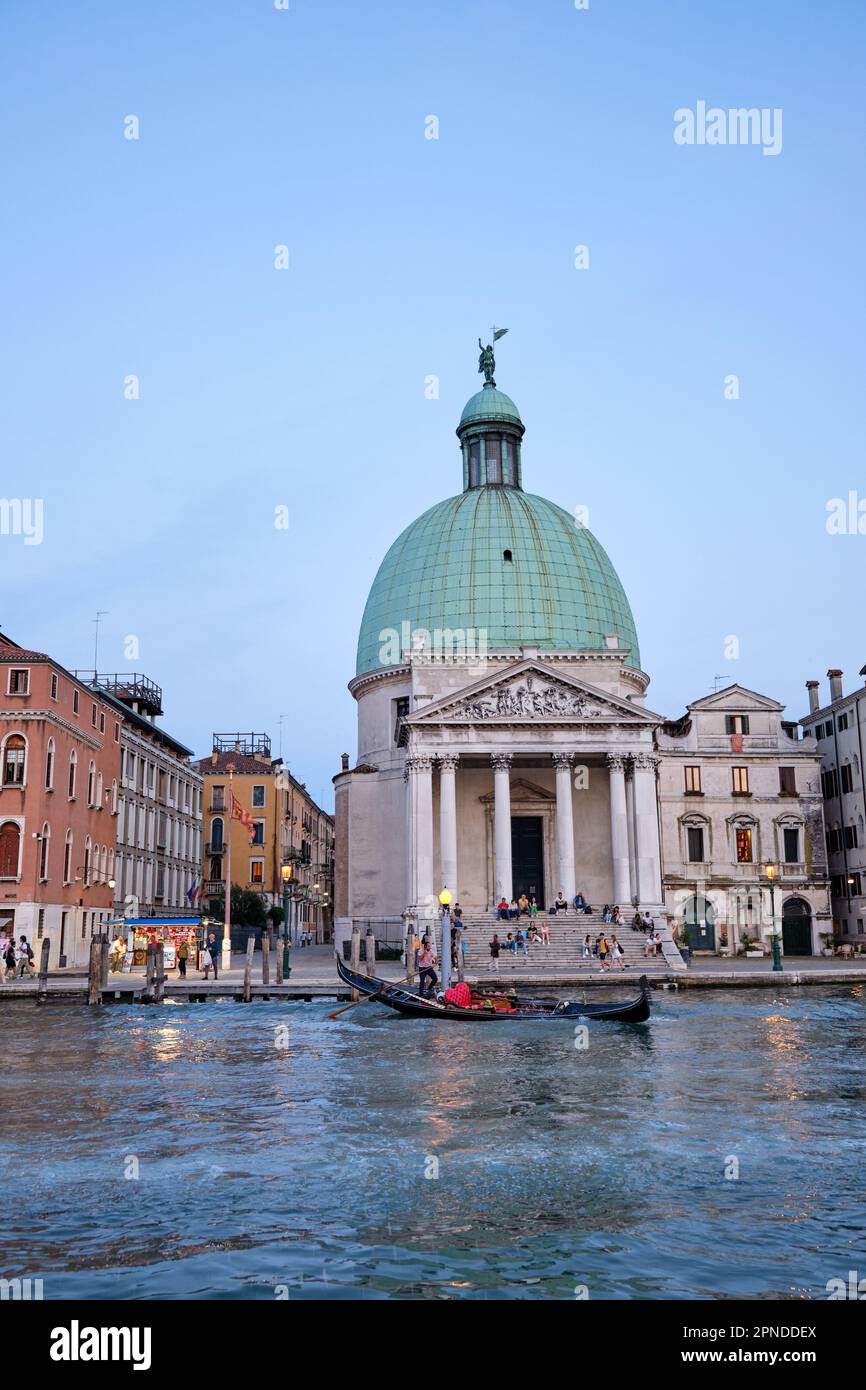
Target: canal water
x: 261, y: 1151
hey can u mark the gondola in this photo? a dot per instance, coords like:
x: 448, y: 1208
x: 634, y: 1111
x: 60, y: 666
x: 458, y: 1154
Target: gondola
x: 364, y: 984
x: 411, y: 1005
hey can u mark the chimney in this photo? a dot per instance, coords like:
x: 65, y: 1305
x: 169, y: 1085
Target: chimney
x: 344, y: 759
x: 213, y: 759
x: 814, y: 699
x: 835, y: 684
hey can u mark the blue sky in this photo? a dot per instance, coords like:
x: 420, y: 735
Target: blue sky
x: 305, y: 387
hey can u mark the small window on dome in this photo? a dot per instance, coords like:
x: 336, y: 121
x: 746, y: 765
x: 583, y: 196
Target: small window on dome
x: 474, y: 465
x: 506, y: 555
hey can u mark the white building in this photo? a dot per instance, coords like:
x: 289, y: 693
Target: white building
x: 738, y: 790
x: 839, y: 729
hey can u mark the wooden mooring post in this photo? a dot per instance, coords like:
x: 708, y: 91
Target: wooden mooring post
x: 356, y: 959
x: 410, y: 955
x: 106, y: 944
x: 279, y: 961
x: 42, y: 990
x: 458, y: 946
x: 94, y: 974
x: 266, y: 956
x: 370, y: 952
x: 150, y: 972
x: 248, y: 969
x: 159, y: 973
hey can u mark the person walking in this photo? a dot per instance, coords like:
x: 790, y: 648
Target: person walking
x: 494, y: 953
x: 182, y: 958
x: 587, y: 947
x: 426, y: 967
x: 24, y: 957
x: 603, y: 951
x: 617, y: 952
x: 7, y: 959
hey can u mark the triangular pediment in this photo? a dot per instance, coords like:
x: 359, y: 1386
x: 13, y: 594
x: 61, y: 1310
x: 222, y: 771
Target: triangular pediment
x: 530, y: 693
x: 736, y: 698
x: 521, y: 791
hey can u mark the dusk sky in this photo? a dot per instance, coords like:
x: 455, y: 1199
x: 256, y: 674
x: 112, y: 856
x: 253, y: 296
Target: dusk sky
x: 260, y: 387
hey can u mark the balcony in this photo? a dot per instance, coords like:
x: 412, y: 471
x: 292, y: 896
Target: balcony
x: 215, y: 848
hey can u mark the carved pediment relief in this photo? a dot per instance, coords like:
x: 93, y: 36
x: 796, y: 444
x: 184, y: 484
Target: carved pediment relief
x: 531, y: 695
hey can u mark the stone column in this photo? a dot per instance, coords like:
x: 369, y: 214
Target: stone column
x: 501, y: 763
x: 619, y: 830
x: 420, y: 788
x: 647, y: 828
x: 634, y: 891
x: 448, y: 821
x: 564, y: 825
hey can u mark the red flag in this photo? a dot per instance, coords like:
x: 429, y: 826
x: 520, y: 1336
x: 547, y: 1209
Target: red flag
x: 238, y: 813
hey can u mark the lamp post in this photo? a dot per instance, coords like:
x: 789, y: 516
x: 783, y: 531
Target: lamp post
x: 286, y: 875
x: 444, y: 922
x: 770, y: 875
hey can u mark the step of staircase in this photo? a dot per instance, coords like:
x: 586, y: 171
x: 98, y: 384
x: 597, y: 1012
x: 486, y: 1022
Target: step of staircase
x: 565, y: 952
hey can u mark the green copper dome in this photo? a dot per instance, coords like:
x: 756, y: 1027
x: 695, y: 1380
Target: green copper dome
x: 514, y: 568
x: 490, y: 404
x: 448, y: 570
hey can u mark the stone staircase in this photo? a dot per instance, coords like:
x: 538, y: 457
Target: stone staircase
x: 564, y: 955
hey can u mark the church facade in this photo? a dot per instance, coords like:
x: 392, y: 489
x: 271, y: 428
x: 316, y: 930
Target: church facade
x: 505, y: 744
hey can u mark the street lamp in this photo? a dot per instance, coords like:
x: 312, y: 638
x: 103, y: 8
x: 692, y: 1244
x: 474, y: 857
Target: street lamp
x: 770, y: 875
x: 286, y: 876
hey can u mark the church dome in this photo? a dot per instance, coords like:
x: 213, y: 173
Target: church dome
x: 495, y: 559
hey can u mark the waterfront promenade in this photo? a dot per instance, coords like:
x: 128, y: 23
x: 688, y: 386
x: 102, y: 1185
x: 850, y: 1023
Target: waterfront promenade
x: 314, y: 976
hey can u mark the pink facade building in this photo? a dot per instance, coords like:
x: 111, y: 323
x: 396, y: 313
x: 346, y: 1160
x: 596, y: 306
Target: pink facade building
x: 59, y: 775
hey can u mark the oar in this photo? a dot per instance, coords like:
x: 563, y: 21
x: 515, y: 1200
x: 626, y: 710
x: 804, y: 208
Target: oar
x: 346, y: 1007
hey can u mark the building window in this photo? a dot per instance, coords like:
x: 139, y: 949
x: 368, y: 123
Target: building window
x: 114, y: 796
x: 695, y: 835
x: 75, y: 702
x: 854, y: 885
x: 91, y: 785
x: 842, y: 723
x: 744, y: 845
x: 791, y: 841
x: 19, y: 681
x: 43, y: 853
x: 475, y: 465
x: 693, y: 781
x: 257, y: 871
x: 787, y: 781
x: 846, y: 777
x: 67, y: 858
x: 102, y: 721
x: 14, y: 755
x: 258, y: 794
x: 740, y: 781
x: 216, y: 870
x: 493, y: 457
x: 93, y: 715
x: 509, y: 468
x: 53, y: 686
x: 258, y: 833
x: 736, y: 723
x: 850, y: 833
x: 10, y: 846
x: 218, y: 798
x: 116, y: 732
x: 216, y: 832
x: 49, y: 766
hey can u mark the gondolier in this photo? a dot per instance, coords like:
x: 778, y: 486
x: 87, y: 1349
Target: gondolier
x: 426, y: 971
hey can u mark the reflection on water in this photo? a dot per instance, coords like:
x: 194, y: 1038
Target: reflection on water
x: 376, y: 1156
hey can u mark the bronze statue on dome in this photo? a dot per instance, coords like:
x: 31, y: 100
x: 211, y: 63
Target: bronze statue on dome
x: 487, y: 362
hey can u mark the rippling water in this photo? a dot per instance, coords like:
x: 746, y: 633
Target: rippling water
x: 305, y: 1166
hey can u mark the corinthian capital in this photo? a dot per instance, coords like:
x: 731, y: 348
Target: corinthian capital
x: 646, y: 761
x: 562, y: 761
x: 448, y: 761
x: 500, y: 762
x: 615, y: 762
x: 419, y: 762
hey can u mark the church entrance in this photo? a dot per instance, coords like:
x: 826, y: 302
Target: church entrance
x: 527, y: 858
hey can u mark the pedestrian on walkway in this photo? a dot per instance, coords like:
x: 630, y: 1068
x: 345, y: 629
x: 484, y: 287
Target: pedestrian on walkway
x: 494, y: 953
x: 7, y: 960
x: 587, y: 947
x: 117, y: 955
x: 617, y: 953
x: 182, y: 958
x: 603, y: 950
x: 24, y: 957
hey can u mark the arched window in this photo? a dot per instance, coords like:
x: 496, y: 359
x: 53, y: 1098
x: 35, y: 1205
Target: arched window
x: 216, y: 832
x: 87, y: 860
x: 49, y: 766
x: 103, y: 863
x: 493, y: 459
x: 43, y: 852
x: 67, y: 858
x: 14, y: 757
x: 10, y: 849
x: 91, y: 783
x: 73, y: 765
x: 99, y: 789
x: 114, y: 796
x: 111, y: 863
x: 216, y: 870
